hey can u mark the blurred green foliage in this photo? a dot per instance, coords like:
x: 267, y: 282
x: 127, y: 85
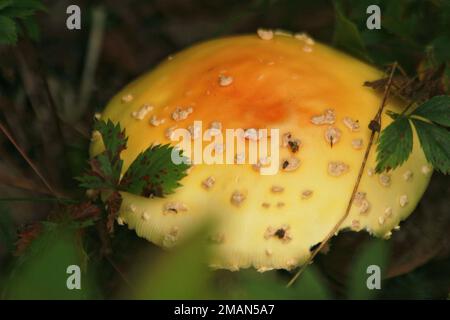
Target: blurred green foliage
x: 270, y: 285
x: 347, y: 36
x: 184, y: 274
x: 374, y: 253
x: 17, y: 17
x: 411, y: 30
x: 40, y: 272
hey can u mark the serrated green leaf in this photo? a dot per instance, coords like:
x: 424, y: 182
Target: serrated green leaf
x: 395, y: 144
x: 8, y: 31
x: 104, y: 173
x: 110, y: 171
x: 113, y: 137
x: 347, y: 36
x: 436, y: 109
x: 106, y: 167
x: 92, y: 182
x: 435, y: 142
x: 153, y: 172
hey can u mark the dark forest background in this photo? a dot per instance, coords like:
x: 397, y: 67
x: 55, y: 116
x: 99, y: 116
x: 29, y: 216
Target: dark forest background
x: 121, y: 39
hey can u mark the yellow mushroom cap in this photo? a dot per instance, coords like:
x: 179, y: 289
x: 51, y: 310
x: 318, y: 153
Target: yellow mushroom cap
x: 289, y: 83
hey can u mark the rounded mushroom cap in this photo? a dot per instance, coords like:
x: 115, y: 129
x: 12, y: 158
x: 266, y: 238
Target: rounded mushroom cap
x: 315, y: 96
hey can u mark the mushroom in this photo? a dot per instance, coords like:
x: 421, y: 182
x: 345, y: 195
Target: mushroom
x: 279, y: 85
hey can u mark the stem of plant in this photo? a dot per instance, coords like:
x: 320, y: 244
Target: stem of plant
x: 374, y: 131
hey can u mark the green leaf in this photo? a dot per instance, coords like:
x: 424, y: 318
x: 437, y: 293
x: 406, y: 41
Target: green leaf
x: 104, y: 174
x: 436, y: 109
x: 5, y: 3
x: 8, y: 31
x: 153, y: 172
x: 395, y: 144
x: 22, y: 8
x: 31, y: 28
x: 435, y: 142
x: 400, y: 20
x: 106, y: 167
x: 347, y: 36
x: 110, y: 171
x: 92, y: 182
x: 113, y: 137
x: 373, y: 254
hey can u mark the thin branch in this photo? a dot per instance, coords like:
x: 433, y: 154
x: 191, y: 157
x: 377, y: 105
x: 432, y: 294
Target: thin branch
x: 28, y: 160
x: 383, y: 102
x: 374, y: 130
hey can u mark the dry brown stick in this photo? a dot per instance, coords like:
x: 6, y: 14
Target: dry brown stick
x: 375, y: 126
x: 28, y: 160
